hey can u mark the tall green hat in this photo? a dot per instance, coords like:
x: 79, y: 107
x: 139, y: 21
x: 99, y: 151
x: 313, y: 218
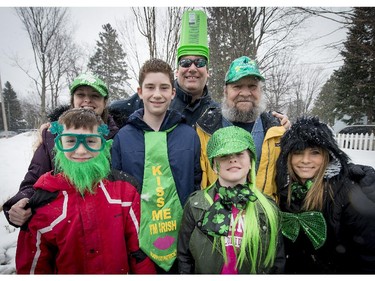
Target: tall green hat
x: 88, y: 79
x: 194, y: 37
x: 230, y: 140
x: 241, y: 67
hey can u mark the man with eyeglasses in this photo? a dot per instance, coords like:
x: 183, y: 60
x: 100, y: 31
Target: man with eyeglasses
x: 192, y: 96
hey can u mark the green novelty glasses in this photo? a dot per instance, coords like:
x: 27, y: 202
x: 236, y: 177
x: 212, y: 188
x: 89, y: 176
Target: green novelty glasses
x: 70, y: 142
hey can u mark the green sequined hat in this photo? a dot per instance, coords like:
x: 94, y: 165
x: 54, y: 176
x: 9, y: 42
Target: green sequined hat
x: 230, y: 140
x: 88, y: 79
x: 241, y: 67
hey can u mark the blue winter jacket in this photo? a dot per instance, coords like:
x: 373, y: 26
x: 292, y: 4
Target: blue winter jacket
x: 128, y: 151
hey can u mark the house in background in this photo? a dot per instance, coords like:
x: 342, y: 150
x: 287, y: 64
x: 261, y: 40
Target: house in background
x: 339, y: 124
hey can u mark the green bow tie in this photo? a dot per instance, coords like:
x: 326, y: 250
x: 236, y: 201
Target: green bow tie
x: 312, y: 223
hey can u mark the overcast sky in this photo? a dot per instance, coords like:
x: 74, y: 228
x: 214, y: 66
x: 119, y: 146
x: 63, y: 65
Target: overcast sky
x: 88, y: 22
x: 16, y: 43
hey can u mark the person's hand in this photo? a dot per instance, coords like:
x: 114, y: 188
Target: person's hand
x: 17, y: 214
x: 44, y: 126
x: 284, y: 120
x: 39, y: 138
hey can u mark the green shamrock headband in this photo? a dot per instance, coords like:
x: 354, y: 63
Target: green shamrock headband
x: 57, y: 128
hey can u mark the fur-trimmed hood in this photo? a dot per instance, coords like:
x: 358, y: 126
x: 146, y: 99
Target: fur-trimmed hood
x: 310, y: 132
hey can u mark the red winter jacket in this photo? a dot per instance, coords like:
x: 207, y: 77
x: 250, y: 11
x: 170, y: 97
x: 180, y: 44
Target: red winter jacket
x: 42, y: 162
x: 94, y: 234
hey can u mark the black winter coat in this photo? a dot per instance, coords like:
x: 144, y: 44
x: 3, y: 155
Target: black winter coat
x: 350, y: 243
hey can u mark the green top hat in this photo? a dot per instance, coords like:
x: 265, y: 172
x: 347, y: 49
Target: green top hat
x: 194, y: 38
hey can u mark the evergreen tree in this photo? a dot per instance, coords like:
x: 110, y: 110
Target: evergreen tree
x: 356, y: 78
x: 109, y: 64
x: 325, y: 104
x: 12, y: 109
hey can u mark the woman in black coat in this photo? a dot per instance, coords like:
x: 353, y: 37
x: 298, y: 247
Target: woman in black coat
x: 328, y: 220
x: 87, y: 91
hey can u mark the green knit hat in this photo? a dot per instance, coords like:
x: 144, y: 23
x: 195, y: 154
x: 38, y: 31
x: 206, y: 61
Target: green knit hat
x: 194, y: 37
x: 241, y: 67
x: 88, y: 79
x: 230, y: 140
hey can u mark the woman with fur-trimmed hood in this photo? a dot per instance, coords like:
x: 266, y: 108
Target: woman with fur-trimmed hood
x: 328, y: 220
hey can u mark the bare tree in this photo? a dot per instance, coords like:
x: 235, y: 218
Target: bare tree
x: 279, y: 85
x: 260, y: 33
x: 339, y: 15
x: 146, y: 23
x: 46, y: 29
x: 306, y: 87
x: 61, y: 59
x: 159, y: 27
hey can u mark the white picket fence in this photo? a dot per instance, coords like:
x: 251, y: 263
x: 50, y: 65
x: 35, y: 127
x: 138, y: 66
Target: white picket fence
x: 356, y: 141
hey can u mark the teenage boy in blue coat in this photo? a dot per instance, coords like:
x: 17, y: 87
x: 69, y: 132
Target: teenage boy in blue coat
x: 162, y: 153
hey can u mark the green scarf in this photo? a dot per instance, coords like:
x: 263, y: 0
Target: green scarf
x: 216, y: 220
x: 299, y: 191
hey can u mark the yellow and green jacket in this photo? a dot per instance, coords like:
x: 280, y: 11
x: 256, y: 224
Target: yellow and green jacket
x: 267, y: 143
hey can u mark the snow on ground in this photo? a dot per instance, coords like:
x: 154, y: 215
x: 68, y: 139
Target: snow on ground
x: 16, y: 153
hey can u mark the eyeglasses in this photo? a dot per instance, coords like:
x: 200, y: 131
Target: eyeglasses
x: 70, y: 142
x: 197, y: 62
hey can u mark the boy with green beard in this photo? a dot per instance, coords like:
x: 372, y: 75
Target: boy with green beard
x: 86, y: 215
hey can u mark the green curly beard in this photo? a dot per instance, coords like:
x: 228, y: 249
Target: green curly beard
x: 84, y: 175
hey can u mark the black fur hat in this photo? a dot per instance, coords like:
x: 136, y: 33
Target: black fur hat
x: 310, y: 132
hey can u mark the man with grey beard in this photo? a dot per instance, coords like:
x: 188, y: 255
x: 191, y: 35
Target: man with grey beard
x: 243, y: 106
